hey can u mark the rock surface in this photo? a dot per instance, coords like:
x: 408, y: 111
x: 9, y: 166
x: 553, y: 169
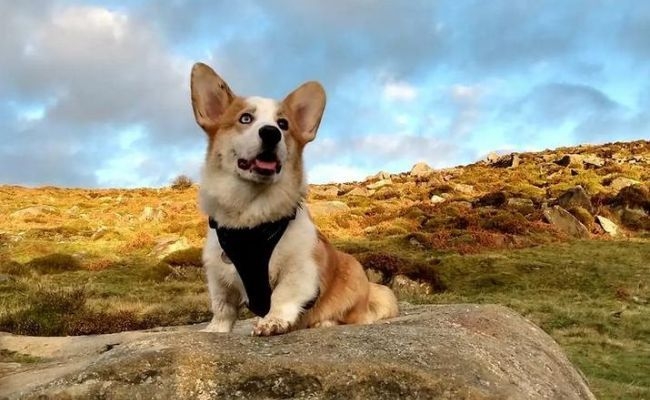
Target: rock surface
x: 421, y: 169
x: 565, y: 222
x: 441, y: 352
x: 575, y: 197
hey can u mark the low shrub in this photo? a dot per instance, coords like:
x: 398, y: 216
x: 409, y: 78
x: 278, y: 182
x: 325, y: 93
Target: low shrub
x: 182, y: 182
x: 54, y: 263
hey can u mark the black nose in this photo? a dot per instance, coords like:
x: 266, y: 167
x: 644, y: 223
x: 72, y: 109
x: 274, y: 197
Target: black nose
x: 270, y: 135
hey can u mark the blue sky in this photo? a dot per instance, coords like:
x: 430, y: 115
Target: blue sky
x: 96, y: 94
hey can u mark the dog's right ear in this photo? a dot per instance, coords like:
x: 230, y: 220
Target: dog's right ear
x: 210, y: 96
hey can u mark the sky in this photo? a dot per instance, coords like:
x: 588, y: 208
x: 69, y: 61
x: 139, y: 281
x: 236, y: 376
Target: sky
x: 96, y: 93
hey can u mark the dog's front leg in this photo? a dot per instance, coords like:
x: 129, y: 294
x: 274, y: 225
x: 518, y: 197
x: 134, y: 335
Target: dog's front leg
x: 297, y: 285
x: 225, y: 288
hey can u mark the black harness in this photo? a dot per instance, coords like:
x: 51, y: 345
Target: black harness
x: 250, y: 249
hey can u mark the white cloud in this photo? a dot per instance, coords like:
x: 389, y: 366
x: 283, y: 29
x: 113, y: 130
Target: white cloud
x: 331, y: 173
x: 400, y: 91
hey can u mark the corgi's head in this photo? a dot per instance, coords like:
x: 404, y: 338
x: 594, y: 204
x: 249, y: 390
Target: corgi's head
x: 255, y: 139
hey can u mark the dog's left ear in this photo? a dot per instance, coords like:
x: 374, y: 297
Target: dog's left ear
x: 306, y: 105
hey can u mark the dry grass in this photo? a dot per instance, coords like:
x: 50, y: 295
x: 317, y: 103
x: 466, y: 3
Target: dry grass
x: 84, y: 261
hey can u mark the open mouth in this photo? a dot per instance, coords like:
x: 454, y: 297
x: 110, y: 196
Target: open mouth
x: 265, y: 163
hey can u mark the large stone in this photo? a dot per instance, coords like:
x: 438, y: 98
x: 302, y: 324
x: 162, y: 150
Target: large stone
x: 462, y: 188
x: 379, y: 184
x: 441, y: 352
x: 421, y: 169
x: 592, y: 161
x: 379, y: 176
x: 506, y: 161
x: 168, y: 244
x: 324, y: 191
x: 608, y: 226
x: 575, y: 197
x: 622, y: 182
x: 565, y: 222
x: 358, y: 191
x: 35, y: 211
x: 573, y: 160
x: 323, y: 208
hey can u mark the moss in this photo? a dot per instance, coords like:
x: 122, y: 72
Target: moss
x: 583, y: 216
x: 54, y: 264
x: 390, y: 265
x: 635, y: 196
x: 14, y: 268
x: 191, y: 257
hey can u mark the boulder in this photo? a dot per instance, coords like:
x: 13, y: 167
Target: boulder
x: 462, y: 188
x: 435, y: 351
x: 507, y: 161
x: 35, y: 211
x: 169, y: 244
x: 323, y: 208
x: 608, y: 226
x: 435, y: 199
x: 421, y: 169
x: 575, y: 197
x: 573, y: 160
x: 379, y: 176
x: 324, y: 191
x: 379, y: 184
x: 591, y: 162
x: 358, y: 191
x: 565, y: 222
x: 521, y: 204
x: 494, y: 199
x: 617, y: 184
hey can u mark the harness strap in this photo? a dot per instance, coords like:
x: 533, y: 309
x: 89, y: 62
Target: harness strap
x: 250, y: 250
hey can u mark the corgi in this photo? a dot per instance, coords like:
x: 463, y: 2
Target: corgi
x: 263, y: 250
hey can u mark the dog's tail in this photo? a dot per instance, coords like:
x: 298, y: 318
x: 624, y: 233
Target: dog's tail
x: 382, y: 302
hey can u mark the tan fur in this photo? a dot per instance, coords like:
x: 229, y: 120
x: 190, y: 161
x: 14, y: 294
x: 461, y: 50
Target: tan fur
x: 303, y: 263
x: 346, y: 295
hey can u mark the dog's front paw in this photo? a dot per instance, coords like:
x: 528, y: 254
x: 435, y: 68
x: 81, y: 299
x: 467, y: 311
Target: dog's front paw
x: 271, y: 326
x: 220, y: 326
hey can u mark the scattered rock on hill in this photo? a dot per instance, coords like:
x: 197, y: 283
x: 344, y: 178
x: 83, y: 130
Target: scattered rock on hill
x: 617, y: 184
x: 322, y: 208
x: 506, y: 161
x: 575, y: 197
x: 565, y: 222
x: 421, y: 169
x: 462, y: 188
x: 435, y: 199
x: 446, y: 351
x: 592, y: 161
x: 379, y: 184
x: 494, y: 199
x: 572, y: 160
x: 379, y: 176
x: 358, y: 191
x: 324, y: 191
x: 35, y: 211
x: 169, y: 244
x: 608, y: 226
x: 520, y: 204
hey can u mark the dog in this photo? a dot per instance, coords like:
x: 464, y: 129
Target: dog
x: 263, y: 250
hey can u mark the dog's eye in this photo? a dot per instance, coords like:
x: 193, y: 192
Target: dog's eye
x: 246, y: 118
x: 283, y: 124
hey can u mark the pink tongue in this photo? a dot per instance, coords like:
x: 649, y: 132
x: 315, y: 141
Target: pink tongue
x: 265, y: 164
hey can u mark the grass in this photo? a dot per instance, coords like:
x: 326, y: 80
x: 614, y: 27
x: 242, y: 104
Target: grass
x: 90, y: 263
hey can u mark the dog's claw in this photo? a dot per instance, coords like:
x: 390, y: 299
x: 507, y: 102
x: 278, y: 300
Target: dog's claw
x: 270, y: 327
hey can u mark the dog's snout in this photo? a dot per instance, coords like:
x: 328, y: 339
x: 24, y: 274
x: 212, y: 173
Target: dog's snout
x: 270, y: 135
